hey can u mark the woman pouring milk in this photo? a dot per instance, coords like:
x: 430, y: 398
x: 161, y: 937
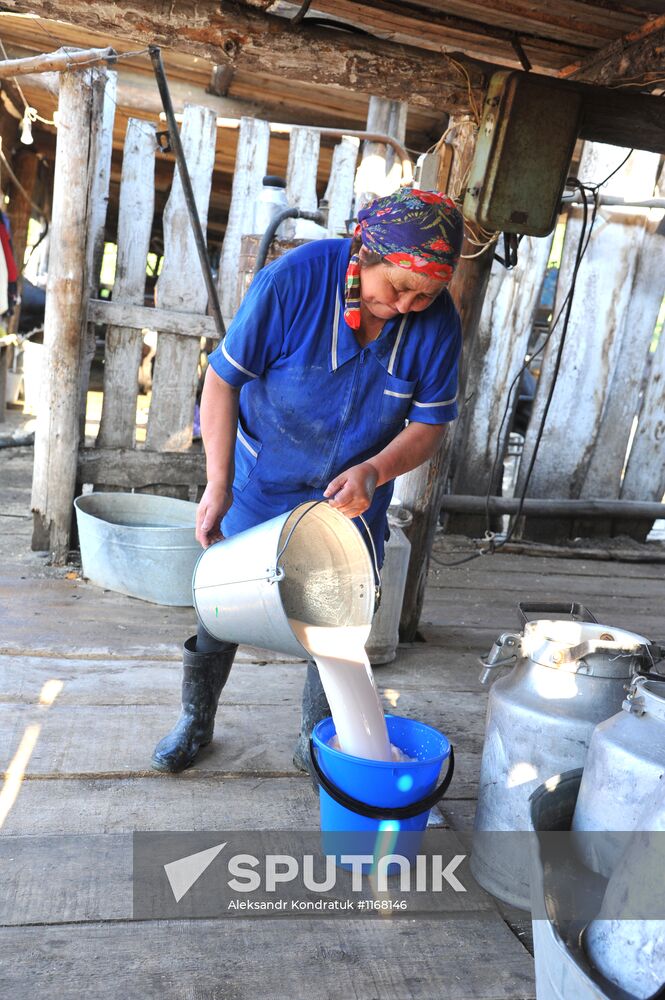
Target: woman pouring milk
x: 336, y: 346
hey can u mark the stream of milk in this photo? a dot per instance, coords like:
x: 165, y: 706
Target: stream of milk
x: 347, y: 679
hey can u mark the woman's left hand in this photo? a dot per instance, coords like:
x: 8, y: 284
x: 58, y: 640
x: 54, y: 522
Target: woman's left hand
x: 352, y: 491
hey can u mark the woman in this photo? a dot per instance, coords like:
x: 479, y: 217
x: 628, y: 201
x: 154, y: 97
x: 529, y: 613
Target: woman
x: 335, y: 347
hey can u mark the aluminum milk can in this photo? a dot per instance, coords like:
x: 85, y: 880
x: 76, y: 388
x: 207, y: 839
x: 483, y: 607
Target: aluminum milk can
x: 624, y: 770
x: 626, y: 941
x: 381, y: 646
x: 271, y: 201
x: 566, y: 676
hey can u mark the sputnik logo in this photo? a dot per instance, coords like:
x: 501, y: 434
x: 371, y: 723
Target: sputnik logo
x: 183, y: 873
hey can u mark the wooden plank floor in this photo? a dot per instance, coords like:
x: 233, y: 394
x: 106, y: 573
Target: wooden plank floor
x: 113, y: 664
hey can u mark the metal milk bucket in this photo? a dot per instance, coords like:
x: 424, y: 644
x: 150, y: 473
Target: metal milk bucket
x: 624, y: 769
x: 566, y: 676
x: 310, y: 564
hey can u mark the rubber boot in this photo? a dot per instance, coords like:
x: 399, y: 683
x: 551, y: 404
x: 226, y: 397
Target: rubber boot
x: 314, y: 708
x: 206, y: 664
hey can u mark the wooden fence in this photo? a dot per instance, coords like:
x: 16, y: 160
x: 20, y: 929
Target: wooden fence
x: 608, y: 378
x: 605, y: 388
x: 610, y: 392
x: 179, y: 316
x: 166, y: 462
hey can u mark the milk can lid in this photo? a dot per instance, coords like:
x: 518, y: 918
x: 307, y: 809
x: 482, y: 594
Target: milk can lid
x: 271, y: 180
x: 585, y: 647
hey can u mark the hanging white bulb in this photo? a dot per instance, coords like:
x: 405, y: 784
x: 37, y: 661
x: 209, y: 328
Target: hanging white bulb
x: 26, y: 129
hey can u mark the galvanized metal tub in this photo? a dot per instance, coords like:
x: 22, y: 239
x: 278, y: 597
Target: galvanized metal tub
x: 310, y: 564
x: 139, y: 544
x: 562, y: 970
x: 606, y: 957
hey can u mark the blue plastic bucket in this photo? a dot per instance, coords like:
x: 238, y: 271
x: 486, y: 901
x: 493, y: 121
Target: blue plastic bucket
x: 377, y: 796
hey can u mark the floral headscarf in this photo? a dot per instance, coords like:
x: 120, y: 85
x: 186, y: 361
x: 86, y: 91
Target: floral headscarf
x: 421, y: 231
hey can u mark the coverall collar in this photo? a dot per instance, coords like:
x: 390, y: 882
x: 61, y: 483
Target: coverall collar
x: 344, y: 346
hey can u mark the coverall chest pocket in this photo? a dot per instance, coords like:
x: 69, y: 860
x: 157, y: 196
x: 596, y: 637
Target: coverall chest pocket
x: 246, y: 456
x: 396, y: 402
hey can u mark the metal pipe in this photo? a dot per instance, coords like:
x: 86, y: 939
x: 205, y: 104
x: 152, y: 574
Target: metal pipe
x: 195, y: 222
x: 17, y: 441
x: 275, y: 223
x: 610, y: 199
x: 619, y: 509
x: 285, y: 128
x: 407, y: 165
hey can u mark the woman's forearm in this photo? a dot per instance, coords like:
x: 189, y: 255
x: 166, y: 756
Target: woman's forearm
x: 219, y: 425
x: 412, y: 446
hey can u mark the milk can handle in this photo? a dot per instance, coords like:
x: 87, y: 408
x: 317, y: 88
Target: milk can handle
x: 576, y: 611
x: 379, y: 812
x: 375, y: 558
x: 377, y: 574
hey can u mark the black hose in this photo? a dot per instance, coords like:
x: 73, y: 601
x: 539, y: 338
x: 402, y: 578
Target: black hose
x: 275, y: 223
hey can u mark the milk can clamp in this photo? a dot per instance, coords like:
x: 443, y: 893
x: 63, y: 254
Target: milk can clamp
x: 503, y: 653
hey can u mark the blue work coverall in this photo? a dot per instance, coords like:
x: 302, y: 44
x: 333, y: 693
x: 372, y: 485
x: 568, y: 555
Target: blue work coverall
x: 314, y: 402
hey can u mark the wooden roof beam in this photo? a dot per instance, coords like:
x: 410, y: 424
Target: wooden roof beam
x: 250, y: 39
x: 630, y: 59
x: 408, y: 22
x: 137, y: 93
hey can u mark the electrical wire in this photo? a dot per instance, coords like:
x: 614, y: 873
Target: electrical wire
x: 8, y: 168
x: 566, y: 306
x: 615, y: 171
x: 30, y: 113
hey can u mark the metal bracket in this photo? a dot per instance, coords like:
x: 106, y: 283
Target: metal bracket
x: 634, y: 703
x: 164, y: 141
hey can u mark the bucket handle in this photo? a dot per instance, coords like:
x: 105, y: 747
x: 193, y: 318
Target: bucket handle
x: 576, y: 611
x: 375, y: 560
x: 379, y: 812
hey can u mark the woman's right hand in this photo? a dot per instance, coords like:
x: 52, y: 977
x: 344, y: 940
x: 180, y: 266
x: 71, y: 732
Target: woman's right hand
x: 213, y: 505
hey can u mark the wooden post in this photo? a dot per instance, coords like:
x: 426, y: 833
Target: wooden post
x: 379, y: 172
x: 250, y: 167
x: 4, y: 351
x: 500, y: 348
x: 468, y: 291
x: 104, y: 95
x: 339, y: 193
x: 181, y: 287
x: 123, y: 344
x: 593, y: 346
x: 301, y: 171
x: 57, y: 431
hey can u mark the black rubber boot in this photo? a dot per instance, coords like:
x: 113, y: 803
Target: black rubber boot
x: 206, y: 664
x: 314, y: 708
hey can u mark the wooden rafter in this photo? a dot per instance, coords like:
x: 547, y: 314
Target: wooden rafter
x: 634, y: 57
x: 250, y: 39
x: 411, y: 23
